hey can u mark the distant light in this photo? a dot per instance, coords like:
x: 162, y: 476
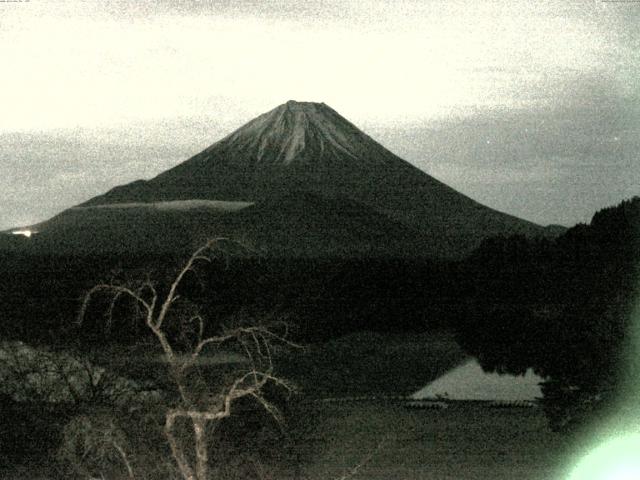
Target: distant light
x: 617, y: 459
x: 26, y: 233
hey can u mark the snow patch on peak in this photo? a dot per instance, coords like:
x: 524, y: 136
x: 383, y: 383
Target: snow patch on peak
x: 294, y: 104
x: 297, y: 129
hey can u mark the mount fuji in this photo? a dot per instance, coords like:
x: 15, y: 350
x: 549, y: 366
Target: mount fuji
x: 297, y: 180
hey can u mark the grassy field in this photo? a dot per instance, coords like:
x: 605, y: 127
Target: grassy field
x: 388, y: 441
x: 463, y: 442
x: 383, y: 437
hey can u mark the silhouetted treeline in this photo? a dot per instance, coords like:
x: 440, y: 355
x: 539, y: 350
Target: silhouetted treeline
x: 562, y: 307
x: 322, y: 297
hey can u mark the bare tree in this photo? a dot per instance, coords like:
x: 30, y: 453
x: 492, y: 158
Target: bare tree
x: 43, y: 375
x: 196, y: 403
x: 91, y: 442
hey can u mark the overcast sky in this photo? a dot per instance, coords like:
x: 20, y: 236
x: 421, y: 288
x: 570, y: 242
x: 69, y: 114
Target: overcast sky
x: 531, y: 107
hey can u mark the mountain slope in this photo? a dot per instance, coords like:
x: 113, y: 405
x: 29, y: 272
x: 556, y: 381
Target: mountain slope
x: 308, y: 147
x: 299, y: 224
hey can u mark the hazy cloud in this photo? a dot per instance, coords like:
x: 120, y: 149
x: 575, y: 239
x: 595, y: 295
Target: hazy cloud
x: 555, y: 164
x: 530, y: 107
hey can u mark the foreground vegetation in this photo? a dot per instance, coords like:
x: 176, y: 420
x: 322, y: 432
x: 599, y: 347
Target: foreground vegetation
x: 386, y: 440
x: 562, y: 307
x: 355, y: 365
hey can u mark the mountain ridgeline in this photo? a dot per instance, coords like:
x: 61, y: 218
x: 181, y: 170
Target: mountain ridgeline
x: 299, y: 180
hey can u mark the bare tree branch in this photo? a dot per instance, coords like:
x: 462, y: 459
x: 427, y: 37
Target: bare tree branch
x: 198, y: 255
x: 255, y: 340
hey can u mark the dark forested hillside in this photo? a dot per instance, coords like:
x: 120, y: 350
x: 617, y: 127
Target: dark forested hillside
x: 323, y: 297
x: 562, y: 307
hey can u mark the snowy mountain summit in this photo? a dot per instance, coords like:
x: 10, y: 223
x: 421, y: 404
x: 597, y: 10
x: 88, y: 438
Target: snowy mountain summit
x: 296, y: 131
